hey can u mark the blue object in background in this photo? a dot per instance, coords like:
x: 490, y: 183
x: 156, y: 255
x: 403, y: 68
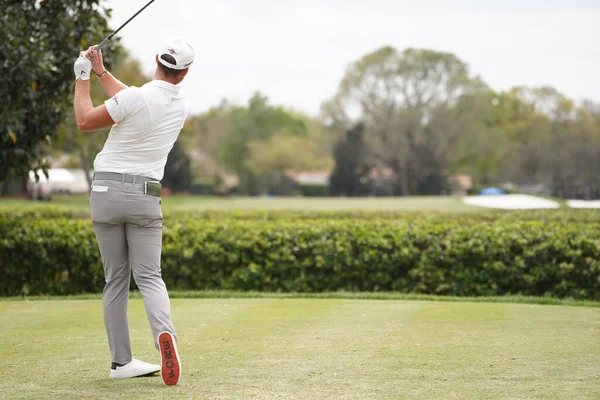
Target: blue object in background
x: 491, y: 191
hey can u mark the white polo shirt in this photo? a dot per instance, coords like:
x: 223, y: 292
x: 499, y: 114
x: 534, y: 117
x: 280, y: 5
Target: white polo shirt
x: 147, y: 123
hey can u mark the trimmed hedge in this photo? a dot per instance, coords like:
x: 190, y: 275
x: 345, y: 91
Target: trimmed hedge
x: 314, y: 190
x: 546, y: 254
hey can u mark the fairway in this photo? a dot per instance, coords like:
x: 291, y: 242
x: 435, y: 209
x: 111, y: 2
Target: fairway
x: 422, y: 203
x: 311, y: 349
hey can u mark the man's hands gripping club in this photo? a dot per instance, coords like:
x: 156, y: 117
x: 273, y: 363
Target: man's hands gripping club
x: 95, y: 56
x: 92, y: 60
x: 87, y: 61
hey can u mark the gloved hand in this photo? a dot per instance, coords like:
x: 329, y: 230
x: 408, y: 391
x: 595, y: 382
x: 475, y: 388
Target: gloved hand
x: 82, y: 68
x: 95, y: 57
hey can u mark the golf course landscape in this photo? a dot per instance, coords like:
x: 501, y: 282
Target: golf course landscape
x: 326, y: 200
x: 245, y: 335
x: 422, y: 203
x: 270, y: 348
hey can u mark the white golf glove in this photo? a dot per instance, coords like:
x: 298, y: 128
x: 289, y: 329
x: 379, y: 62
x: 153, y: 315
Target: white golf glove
x: 82, y: 68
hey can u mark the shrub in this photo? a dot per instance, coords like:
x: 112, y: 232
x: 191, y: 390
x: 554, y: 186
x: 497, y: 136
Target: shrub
x: 204, y: 188
x: 313, y: 190
x: 468, y: 255
x: 174, y: 214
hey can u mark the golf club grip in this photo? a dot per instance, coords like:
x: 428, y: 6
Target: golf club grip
x: 103, y: 43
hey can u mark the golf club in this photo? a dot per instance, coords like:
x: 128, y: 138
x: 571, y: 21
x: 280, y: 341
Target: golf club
x: 109, y: 37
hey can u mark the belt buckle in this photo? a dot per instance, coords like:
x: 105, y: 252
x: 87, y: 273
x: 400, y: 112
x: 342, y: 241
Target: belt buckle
x: 152, y: 188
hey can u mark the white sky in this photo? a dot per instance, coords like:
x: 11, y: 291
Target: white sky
x: 296, y: 52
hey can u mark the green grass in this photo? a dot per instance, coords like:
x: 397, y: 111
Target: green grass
x: 275, y: 348
x: 326, y: 204
x: 228, y: 294
x: 424, y: 203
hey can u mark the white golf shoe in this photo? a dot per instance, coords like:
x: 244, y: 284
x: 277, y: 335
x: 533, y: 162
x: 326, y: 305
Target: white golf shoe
x: 135, y: 368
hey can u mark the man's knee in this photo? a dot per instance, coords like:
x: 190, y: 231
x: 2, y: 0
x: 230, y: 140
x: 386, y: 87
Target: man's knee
x: 117, y: 272
x: 147, y: 275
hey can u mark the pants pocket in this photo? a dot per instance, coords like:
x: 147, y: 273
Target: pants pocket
x: 102, y: 208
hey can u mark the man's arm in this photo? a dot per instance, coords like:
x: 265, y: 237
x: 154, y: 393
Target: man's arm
x: 110, y: 84
x: 89, y: 118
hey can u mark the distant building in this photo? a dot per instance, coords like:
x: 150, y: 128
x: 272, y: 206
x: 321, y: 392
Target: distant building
x: 60, y: 180
x: 310, y: 177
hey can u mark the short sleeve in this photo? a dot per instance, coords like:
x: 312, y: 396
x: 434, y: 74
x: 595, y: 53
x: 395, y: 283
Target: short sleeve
x: 124, y: 103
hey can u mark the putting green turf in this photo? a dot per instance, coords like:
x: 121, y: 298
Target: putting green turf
x: 311, y: 349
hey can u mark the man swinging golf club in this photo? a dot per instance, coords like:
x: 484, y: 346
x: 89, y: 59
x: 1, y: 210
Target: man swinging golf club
x: 125, y: 199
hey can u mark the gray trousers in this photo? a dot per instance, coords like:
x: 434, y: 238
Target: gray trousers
x: 128, y: 228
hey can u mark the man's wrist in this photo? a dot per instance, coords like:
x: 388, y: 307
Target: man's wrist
x: 82, y: 84
x: 102, y: 74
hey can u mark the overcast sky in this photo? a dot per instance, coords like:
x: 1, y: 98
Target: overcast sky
x: 295, y: 52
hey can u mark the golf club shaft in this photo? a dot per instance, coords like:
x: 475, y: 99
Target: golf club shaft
x: 109, y: 37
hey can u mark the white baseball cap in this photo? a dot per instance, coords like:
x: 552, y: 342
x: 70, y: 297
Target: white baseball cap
x: 176, y: 54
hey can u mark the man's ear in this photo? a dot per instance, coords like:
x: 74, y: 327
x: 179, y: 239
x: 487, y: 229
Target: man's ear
x: 157, y: 58
x: 184, y: 72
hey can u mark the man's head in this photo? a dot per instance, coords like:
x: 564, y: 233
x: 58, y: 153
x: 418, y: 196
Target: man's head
x: 173, y: 61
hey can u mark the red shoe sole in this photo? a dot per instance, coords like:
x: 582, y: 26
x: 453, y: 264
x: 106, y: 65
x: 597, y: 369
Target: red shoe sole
x: 170, y: 363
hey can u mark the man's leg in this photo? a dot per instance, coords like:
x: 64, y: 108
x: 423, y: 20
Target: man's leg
x: 144, y: 235
x: 117, y: 272
x: 108, y: 202
x: 145, y: 247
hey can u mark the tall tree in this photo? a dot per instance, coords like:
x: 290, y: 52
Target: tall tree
x: 201, y: 137
x: 476, y: 123
x: 256, y: 122
x: 406, y: 100
x: 39, y: 42
x: 549, y: 142
x: 350, y: 176
x: 178, y: 173
x: 272, y: 159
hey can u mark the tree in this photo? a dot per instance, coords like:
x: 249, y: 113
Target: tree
x: 350, y: 176
x: 476, y: 124
x: 178, y: 173
x: 256, y: 122
x: 270, y: 160
x: 407, y: 101
x: 202, y: 136
x: 221, y: 140
x: 547, y: 141
x: 39, y: 42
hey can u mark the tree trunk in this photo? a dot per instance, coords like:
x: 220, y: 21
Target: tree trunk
x: 14, y: 187
x: 404, y: 178
x: 84, y: 165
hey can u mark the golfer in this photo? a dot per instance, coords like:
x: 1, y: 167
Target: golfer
x: 125, y: 198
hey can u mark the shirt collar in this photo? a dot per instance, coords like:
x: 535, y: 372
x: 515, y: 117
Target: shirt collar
x: 164, y: 85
